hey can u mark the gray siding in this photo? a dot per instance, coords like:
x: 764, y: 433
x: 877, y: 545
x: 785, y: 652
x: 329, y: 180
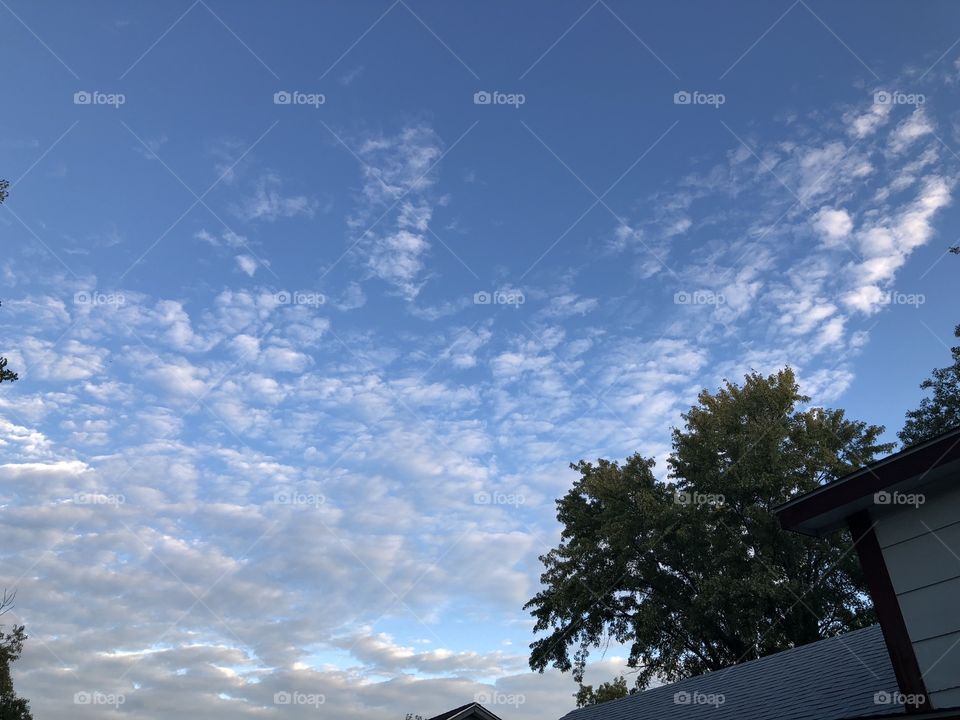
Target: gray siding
x: 921, y: 547
x: 946, y: 698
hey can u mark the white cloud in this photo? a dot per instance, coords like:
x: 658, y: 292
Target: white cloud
x: 910, y: 130
x: 247, y: 264
x: 269, y: 204
x: 888, y: 243
x: 864, y: 124
x: 570, y: 304
x: 397, y: 206
x: 833, y: 225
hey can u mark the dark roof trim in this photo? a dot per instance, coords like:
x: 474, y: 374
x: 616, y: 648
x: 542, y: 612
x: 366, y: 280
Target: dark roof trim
x: 801, y: 513
x: 885, y: 604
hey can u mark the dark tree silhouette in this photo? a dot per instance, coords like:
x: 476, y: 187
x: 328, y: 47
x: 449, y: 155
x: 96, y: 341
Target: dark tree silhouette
x: 613, y: 690
x: 11, y: 645
x: 939, y: 411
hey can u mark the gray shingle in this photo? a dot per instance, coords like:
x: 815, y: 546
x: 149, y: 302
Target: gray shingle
x: 831, y: 679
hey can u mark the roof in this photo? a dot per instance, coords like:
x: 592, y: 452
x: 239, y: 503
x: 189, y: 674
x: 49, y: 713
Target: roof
x: 832, y: 679
x: 470, y: 710
x: 826, y: 509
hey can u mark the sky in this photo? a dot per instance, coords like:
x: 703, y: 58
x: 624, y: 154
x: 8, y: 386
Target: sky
x: 314, y: 303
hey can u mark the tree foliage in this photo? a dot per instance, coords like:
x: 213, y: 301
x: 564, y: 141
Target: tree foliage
x: 940, y: 410
x: 5, y: 374
x: 613, y: 690
x: 12, y: 707
x: 694, y: 574
x: 11, y: 643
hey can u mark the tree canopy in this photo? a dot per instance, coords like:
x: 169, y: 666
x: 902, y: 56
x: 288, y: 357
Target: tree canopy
x: 12, y: 707
x: 613, y: 690
x: 940, y: 410
x: 694, y: 574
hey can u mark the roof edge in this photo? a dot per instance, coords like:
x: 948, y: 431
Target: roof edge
x: 801, y: 514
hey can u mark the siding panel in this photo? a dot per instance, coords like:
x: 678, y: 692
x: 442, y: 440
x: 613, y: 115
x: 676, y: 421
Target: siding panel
x: 932, y: 611
x: 939, y: 660
x: 937, y: 512
x: 924, y: 560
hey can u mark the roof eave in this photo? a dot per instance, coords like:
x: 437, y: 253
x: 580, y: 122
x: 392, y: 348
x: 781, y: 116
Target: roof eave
x: 826, y: 509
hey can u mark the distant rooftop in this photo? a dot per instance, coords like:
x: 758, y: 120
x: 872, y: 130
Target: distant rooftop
x: 470, y: 711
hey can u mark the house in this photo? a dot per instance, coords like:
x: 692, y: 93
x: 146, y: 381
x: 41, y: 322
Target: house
x: 904, y: 515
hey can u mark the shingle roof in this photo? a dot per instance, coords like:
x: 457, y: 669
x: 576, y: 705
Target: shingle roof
x: 831, y: 679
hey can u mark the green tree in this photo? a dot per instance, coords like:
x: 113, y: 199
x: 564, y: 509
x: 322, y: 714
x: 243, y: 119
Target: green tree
x: 939, y: 411
x: 694, y: 574
x: 6, y: 375
x: 12, y: 707
x: 613, y: 690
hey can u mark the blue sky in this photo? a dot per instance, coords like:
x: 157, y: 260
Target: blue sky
x: 300, y: 381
